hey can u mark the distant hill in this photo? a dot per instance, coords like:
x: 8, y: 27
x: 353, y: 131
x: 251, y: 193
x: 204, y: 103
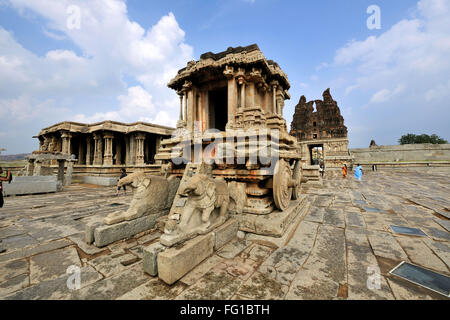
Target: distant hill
x: 13, y: 157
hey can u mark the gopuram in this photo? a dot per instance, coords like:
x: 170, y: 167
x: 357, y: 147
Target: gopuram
x: 321, y: 133
x: 230, y: 165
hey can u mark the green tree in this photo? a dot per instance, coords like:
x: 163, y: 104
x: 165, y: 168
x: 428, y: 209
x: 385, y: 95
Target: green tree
x: 422, y: 138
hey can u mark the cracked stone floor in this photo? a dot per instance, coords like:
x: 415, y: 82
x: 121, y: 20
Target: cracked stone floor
x: 342, y: 248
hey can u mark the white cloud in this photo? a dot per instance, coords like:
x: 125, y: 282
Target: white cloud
x: 91, y: 86
x: 404, y: 73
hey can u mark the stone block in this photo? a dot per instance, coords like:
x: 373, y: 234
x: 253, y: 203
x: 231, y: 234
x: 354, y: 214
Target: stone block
x: 175, y: 262
x: 150, y: 256
x: 225, y: 233
x: 89, y: 231
x: 30, y: 185
x: 106, y: 234
x: 101, y: 181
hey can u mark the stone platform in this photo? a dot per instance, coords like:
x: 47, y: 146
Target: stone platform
x: 330, y: 252
x: 101, y: 234
x: 274, y: 224
x: 171, y: 264
x: 30, y: 185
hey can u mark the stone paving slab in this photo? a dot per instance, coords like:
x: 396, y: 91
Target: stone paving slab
x: 55, y: 289
x: 325, y: 270
x: 364, y: 277
x: 12, y: 269
x: 50, y: 265
x: 26, y: 252
x: 386, y: 246
x: 335, y: 249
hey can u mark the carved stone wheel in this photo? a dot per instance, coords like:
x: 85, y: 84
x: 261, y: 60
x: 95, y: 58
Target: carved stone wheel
x: 297, y: 176
x: 282, y: 192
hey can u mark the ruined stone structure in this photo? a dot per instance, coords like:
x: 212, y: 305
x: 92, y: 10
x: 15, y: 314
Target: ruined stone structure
x: 321, y: 133
x: 105, y: 147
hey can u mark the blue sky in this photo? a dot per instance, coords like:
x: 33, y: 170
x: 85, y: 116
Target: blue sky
x: 387, y: 82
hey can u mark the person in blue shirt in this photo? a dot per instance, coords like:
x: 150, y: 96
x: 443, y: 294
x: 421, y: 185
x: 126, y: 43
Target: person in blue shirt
x: 358, y: 172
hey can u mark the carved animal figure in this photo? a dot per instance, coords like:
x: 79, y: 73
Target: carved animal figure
x: 151, y: 195
x: 205, y: 202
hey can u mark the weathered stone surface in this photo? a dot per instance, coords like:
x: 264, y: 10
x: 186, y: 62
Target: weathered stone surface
x: 109, y: 265
x: 101, y: 181
x: 225, y: 233
x: 14, y: 284
x: 192, y: 276
x: 324, y: 270
x: 384, y: 245
x: 35, y: 250
x: 441, y: 249
x: 113, y: 287
x: 154, y: 289
x: 284, y: 263
x: 444, y: 223
x: 12, y: 269
x: 353, y: 219
x: 315, y: 215
x: 30, y: 185
x: 263, y: 287
x: 150, y: 257
x: 420, y: 254
x: 79, y: 240
x: 55, y: 288
x: 214, y: 285
x: 175, y: 262
x: 334, y: 217
x: 50, y: 265
x: 364, y: 276
x: 232, y: 249
x: 107, y: 234
x: 18, y: 242
x: 274, y: 224
x: 405, y: 291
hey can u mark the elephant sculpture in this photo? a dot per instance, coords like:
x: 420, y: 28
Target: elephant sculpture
x: 202, y: 206
x: 151, y: 195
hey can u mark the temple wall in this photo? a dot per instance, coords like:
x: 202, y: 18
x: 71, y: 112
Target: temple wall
x: 402, y: 153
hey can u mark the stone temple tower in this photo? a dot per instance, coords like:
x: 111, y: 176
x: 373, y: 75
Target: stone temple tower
x: 321, y: 133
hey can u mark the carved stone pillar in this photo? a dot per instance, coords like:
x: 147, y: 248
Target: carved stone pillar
x: 118, y: 152
x: 98, y: 146
x: 108, y: 156
x: 242, y: 95
x: 181, y: 107
x: 274, y: 97
x: 140, y: 139
x: 66, y: 136
x: 88, y: 150
x: 30, y: 167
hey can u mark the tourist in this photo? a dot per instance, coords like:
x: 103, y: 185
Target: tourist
x: 358, y: 172
x: 321, y: 169
x: 123, y: 175
x: 7, y: 178
x: 344, y: 170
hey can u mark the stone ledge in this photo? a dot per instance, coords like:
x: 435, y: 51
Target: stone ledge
x: 175, y: 262
x: 30, y: 185
x: 273, y: 224
x: 102, y: 234
x: 101, y: 181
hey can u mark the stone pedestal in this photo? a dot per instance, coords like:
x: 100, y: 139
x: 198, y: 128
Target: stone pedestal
x: 171, y: 264
x: 102, y: 234
x: 274, y: 224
